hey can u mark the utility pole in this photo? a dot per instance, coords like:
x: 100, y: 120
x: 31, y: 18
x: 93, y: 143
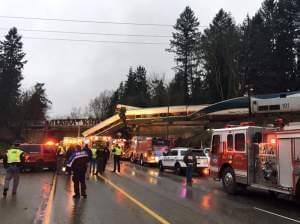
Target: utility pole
x: 250, y: 92
x: 168, y: 113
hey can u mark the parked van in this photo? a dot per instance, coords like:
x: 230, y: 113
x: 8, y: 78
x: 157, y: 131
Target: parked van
x: 39, y: 156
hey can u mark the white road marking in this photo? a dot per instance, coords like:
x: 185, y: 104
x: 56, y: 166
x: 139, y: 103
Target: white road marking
x: 272, y: 213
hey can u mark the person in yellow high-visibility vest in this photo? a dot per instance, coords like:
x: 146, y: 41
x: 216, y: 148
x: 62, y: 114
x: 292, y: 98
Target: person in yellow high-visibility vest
x: 117, y: 152
x: 12, y: 163
x: 93, y: 166
x: 60, y: 154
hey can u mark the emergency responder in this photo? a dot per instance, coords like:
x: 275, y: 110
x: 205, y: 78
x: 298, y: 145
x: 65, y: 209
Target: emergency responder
x: 60, y: 154
x: 190, y: 161
x: 12, y: 163
x: 106, y: 155
x: 89, y: 152
x: 93, y: 161
x: 69, y: 153
x: 78, y: 163
x: 117, y: 152
x: 100, y: 155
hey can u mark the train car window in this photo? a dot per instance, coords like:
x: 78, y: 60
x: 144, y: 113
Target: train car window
x: 263, y: 108
x: 283, y: 95
x: 216, y: 144
x: 240, y: 142
x: 274, y: 107
x: 229, y: 142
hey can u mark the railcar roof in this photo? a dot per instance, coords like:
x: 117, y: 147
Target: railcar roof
x: 235, y: 128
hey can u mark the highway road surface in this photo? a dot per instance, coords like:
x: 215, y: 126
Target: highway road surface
x: 140, y: 195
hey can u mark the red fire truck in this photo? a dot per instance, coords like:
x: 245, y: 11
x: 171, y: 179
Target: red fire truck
x: 263, y: 158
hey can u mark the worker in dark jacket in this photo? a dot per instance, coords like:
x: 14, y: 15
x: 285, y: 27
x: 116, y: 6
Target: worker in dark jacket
x: 12, y: 162
x: 190, y: 161
x: 106, y: 155
x: 100, y: 158
x: 89, y: 165
x: 78, y: 163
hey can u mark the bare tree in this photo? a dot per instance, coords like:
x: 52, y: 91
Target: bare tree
x: 99, y: 106
x: 76, y: 113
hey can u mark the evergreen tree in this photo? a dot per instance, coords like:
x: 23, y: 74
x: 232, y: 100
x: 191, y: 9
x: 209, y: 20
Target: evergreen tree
x: 199, y: 90
x: 220, y: 45
x: 37, y: 104
x: 115, y: 99
x: 285, y: 44
x: 184, y: 44
x: 255, y: 57
x: 268, y: 55
x: 159, y: 94
x: 11, y: 64
x: 143, y: 87
x: 136, y: 90
x: 32, y: 106
x: 176, y: 90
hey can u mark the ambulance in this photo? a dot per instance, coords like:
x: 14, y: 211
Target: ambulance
x: 259, y: 157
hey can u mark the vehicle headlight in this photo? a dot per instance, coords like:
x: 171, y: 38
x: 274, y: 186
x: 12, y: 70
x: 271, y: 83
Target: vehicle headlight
x: 156, y: 159
x: 205, y: 171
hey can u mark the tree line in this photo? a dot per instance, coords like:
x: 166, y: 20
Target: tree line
x: 18, y: 107
x: 226, y: 60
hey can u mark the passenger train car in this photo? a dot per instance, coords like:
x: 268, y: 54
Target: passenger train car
x: 288, y: 102
x: 280, y: 103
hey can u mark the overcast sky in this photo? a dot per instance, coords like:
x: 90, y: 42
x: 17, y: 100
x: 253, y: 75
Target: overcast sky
x: 75, y: 72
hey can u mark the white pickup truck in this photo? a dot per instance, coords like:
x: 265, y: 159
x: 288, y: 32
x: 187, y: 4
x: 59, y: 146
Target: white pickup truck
x: 174, y: 160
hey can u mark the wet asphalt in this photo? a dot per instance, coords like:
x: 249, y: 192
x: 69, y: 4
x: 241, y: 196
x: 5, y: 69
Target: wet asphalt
x: 29, y: 203
x: 165, y: 194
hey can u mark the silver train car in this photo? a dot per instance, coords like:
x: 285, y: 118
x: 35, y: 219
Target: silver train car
x: 275, y: 103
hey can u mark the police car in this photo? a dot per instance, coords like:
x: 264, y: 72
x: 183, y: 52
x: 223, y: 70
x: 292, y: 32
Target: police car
x: 174, y: 160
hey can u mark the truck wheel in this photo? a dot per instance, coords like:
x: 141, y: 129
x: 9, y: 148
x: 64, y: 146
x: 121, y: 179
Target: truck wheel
x: 178, y: 169
x: 228, y: 180
x: 161, y: 167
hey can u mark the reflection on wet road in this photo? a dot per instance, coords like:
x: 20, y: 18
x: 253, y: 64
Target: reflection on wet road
x: 168, y: 196
x: 28, y: 205
x: 125, y: 198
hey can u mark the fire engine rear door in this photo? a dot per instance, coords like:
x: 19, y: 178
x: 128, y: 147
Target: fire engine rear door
x: 285, y: 163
